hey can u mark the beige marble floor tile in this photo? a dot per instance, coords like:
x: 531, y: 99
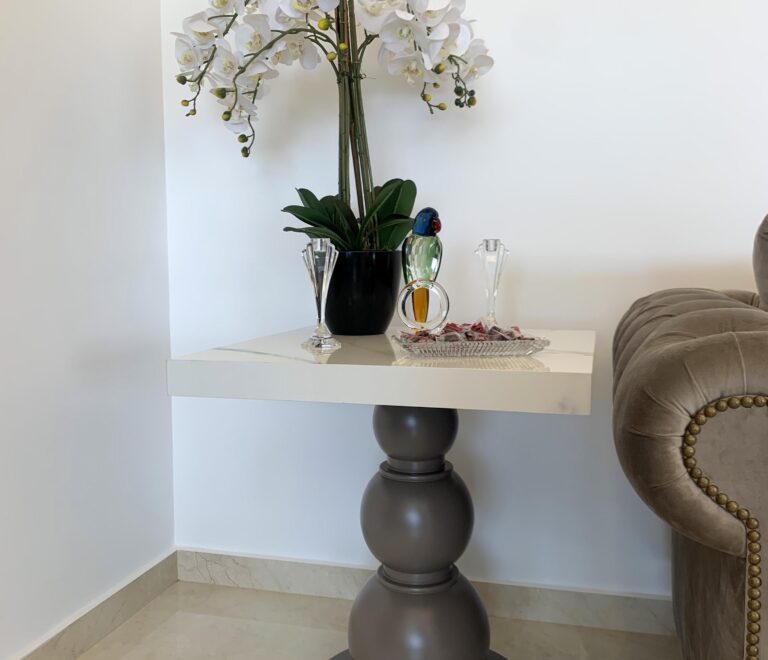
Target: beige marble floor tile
x: 204, y: 622
x: 526, y: 640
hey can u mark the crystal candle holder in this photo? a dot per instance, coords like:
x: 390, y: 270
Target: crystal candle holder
x: 492, y: 254
x: 320, y: 259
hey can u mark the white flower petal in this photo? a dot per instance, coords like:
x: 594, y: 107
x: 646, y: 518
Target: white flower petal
x: 187, y: 54
x: 373, y: 14
x: 199, y: 29
x: 440, y: 33
x: 328, y: 5
x: 310, y: 57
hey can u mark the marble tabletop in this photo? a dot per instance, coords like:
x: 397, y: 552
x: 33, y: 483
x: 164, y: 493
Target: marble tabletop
x: 374, y: 370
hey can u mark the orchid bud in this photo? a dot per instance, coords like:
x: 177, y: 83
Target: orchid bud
x: 324, y: 23
x: 442, y: 107
x: 245, y: 151
x: 331, y: 56
x: 343, y: 47
x: 219, y: 92
x: 226, y: 115
x: 440, y: 68
x: 185, y: 103
x: 242, y: 139
x: 472, y: 101
x: 181, y: 79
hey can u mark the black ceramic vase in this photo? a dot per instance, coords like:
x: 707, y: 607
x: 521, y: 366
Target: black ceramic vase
x: 363, y: 292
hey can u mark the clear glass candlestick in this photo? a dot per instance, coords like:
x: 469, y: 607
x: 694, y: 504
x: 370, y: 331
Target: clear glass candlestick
x: 492, y: 254
x: 320, y: 259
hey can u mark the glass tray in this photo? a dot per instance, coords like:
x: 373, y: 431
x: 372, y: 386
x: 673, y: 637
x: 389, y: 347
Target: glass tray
x: 467, y: 349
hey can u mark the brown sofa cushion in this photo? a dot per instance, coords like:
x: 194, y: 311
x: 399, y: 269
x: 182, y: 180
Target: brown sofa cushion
x: 761, y: 263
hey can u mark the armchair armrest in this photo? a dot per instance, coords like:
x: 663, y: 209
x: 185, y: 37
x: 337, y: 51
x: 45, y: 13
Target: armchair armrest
x: 676, y: 352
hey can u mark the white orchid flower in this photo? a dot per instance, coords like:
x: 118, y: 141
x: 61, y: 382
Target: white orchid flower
x: 478, y: 62
x: 241, y: 114
x: 240, y: 43
x: 252, y: 79
x: 198, y: 29
x: 246, y: 106
x: 297, y: 8
x: 253, y: 35
x: 295, y: 47
x: 327, y: 5
x: 223, y: 6
x: 432, y: 7
x: 278, y: 19
x: 421, y: 6
x: 401, y: 32
x: 241, y: 108
x: 460, y: 36
x: 187, y: 54
x: 434, y: 12
x: 302, y: 9
x: 413, y: 67
x: 433, y: 42
x: 219, y: 21
x: 227, y: 63
x: 373, y: 14
x: 241, y: 8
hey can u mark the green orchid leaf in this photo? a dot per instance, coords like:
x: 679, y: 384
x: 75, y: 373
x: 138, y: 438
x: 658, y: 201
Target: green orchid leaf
x: 390, y: 221
x: 403, y: 203
x: 387, y: 193
x: 309, y: 199
x: 313, y: 217
x: 386, y: 224
x: 377, y: 189
x: 321, y: 232
x: 406, y: 200
x: 393, y: 238
x: 396, y: 221
x: 391, y: 182
x: 393, y: 232
x: 344, y: 216
x: 337, y: 222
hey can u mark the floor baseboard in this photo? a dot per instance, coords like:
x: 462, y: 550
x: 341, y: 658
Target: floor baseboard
x: 594, y: 610
x: 98, y: 622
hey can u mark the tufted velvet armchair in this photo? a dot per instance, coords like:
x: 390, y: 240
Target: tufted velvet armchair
x: 691, y: 430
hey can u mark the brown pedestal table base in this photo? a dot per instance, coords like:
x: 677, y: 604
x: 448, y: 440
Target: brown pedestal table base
x: 417, y: 519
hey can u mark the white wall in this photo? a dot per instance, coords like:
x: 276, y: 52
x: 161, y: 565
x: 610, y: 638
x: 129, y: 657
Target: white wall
x: 618, y: 148
x: 85, y: 435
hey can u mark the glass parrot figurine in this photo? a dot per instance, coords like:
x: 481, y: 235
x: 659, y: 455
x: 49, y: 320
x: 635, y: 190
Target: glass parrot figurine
x: 422, y: 257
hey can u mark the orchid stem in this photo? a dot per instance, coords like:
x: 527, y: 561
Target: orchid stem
x: 344, y: 115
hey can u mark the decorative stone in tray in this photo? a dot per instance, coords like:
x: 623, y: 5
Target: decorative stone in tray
x: 471, y: 340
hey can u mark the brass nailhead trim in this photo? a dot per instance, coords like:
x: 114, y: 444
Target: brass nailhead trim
x: 751, y: 525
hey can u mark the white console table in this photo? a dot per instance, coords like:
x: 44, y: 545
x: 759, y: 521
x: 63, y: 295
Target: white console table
x: 417, y: 514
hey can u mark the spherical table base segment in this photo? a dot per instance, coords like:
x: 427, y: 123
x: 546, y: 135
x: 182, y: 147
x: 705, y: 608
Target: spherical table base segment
x: 440, y: 622
x: 417, y: 523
